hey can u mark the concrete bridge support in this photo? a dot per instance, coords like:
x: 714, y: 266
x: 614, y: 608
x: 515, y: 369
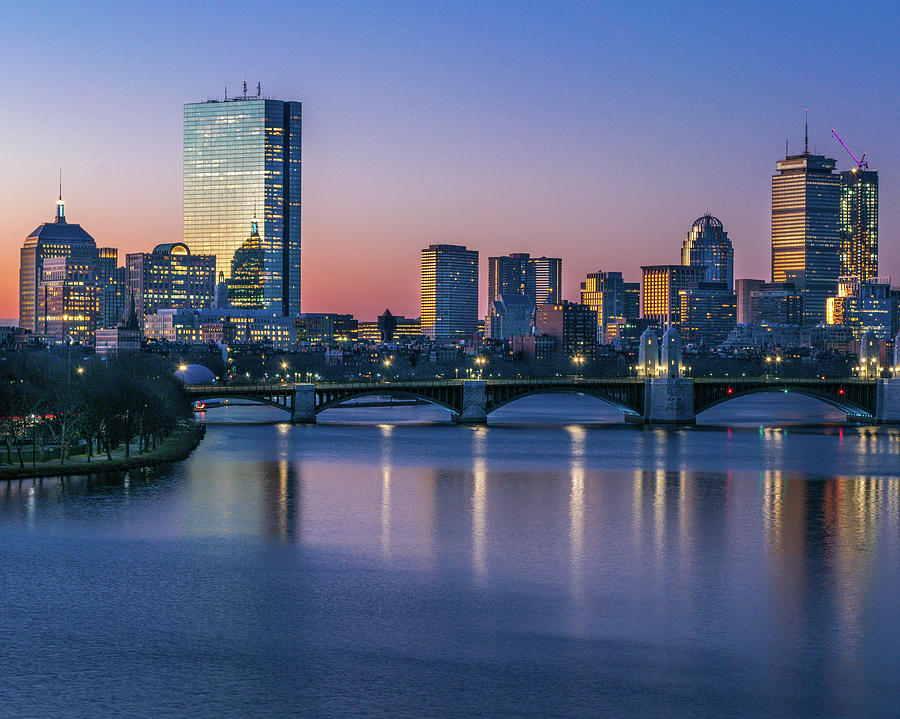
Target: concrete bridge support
x: 669, y: 400
x: 304, y: 409
x: 474, y: 403
x: 887, y: 401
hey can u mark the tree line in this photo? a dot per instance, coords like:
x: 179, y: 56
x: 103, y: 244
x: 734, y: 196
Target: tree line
x: 97, y: 406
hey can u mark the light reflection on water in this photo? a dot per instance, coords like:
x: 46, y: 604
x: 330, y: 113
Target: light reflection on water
x: 548, y: 564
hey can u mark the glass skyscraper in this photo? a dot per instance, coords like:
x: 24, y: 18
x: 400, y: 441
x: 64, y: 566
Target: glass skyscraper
x: 449, y: 293
x: 806, y: 242
x: 859, y: 224
x: 537, y: 278
x: 241, y: 159
x: 707, y: 245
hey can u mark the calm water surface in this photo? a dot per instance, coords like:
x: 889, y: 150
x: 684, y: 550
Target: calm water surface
x: 552, y: 564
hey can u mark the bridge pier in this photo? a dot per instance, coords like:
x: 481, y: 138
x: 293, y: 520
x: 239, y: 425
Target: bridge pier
x: 669, y: 400
x: 474, y: 403
x: 303, y: 410
x: 887, y: 401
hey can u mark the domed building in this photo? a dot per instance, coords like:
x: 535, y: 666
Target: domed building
x: 707, y: 245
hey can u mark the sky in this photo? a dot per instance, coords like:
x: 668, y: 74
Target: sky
x: 596, y: 132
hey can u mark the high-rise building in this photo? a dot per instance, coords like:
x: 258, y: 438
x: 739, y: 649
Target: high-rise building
x: 112, y: 282
x: 660, y: 286
x: 743, y: 288
x: 806, y: 242
x: 449, y: 293
x: 707, y: 314
x: 776, y: 303
x: 707, y: 245
x: 859, y: 224
x: 510, y: 316
x: 538, y: 278
x: 863, y: 307
x: 170, y: 277
x: 242, y: 157
x: 612, y: 299
x: 573, y: 326
x: 51, y: 239
x: 68, y: 304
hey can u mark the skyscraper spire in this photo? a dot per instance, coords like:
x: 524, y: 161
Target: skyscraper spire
x: 806, y: 133
x: 60, y: 205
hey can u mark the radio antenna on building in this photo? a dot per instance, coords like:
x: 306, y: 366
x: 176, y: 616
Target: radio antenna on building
x: 806, y: 133
x: 226, y: 91
x: 245, y: 89
x: 258, y: 89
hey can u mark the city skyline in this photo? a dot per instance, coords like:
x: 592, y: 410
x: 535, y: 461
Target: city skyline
x: 604, y: 174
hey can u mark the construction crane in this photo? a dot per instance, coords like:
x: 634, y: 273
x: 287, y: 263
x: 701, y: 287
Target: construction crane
x: 861, y: 164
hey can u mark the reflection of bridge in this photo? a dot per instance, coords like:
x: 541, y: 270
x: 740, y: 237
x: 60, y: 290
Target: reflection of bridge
x: 649, y: 401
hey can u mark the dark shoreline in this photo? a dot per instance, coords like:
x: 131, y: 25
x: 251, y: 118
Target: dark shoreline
x: 174, y: 449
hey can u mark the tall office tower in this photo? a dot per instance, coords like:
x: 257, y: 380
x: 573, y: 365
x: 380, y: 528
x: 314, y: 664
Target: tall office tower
x: 170, y: 278
x: 776, y: 303
x: 859, y: 223
x: 449, y: 293
x: 806, y: 241
x: 51, y: 239
x: 538, y: 278
x: 242, y: 156
x: 707, y: 314
x: 612, y: 299
x: 68, y: 299
x: 743, y: 288
x: 112, y: 282
x: 707, y: 245
x: 660, y: 286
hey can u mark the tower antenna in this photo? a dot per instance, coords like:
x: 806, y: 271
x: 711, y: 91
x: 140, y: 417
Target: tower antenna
x: 258, y: 89
x: 806, y: 133
x: 60, y: 183
x: 245, y: 89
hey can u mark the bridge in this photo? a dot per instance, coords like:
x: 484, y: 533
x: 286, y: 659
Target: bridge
x: 648, y: 401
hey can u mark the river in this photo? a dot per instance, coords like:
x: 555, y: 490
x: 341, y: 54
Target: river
x: 389, y: 563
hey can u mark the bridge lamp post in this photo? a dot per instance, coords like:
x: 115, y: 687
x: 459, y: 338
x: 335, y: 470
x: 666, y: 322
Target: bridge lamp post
x: 182, y: 368
x: 284, y: 366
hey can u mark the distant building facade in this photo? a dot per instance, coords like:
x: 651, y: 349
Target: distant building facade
x: 510, y: 316
x: 707, y: 245
x: 267, y: 328
x: 449, y: 293
x: 859, y: 224
x: 170, y: 277
x: 776, y: 303
x: 660, y: 287
x: 707, y: 314
x: 613, y: 299
x: 69, y: 302
x: 573, y: 327
x: 326, y: 328
x: 742, y: 290
x: 112, y: 283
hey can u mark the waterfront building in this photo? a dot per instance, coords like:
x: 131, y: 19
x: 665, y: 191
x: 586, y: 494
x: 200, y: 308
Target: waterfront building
x: 660, y: 287
x: 573, y: 327
x: 69, y: 302
x: 510, y: 316
x: 859, y: 223
x: 326, y: 328
x: 614, y: 301
x: 242, y: 156
x: 747, y: 337
x: 170, y: 277
x: 51, y: 239
x: 268, y: 328
x: 776, y: 303
x: 246, y: 286
x: 707, y: 245
x: 449, y: 294
x: 806, y: 238
x: 112, y: 281
x: 706, y: 314
x: 742, y: 290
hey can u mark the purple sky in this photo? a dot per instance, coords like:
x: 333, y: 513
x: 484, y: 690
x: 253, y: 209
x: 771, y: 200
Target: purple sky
x: 596, y: 134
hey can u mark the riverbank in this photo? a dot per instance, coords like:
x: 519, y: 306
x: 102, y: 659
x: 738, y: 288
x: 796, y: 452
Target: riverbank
x: 174, y: 448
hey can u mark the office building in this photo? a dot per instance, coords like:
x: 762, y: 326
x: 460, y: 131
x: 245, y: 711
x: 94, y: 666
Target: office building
x: 859, y: 224
x: 707, y: 314
x: 863, y: 307
x: 51, y: 239
x: 742, y: 290
x: 112, y: 282
x: 776, y: 303
x: 69, y: 303
x: 707, y: 245
x: 614, y: 301
x: 660, y: 287
x: 265, y: 328
x: 806, y: 241
x: 538, y: 278
x: 510, y: 316
x: 242, y: 157
x: 170, y: 277
x: 326, y: 328
x: 573, y: 327
x: 449, y: 294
